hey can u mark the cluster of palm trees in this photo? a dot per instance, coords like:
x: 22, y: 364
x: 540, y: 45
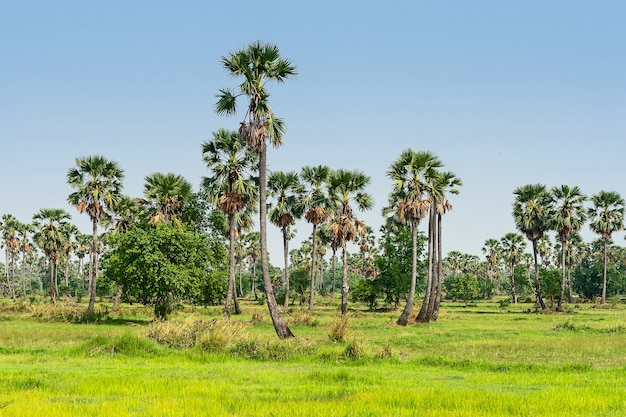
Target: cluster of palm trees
x: 538, y: 210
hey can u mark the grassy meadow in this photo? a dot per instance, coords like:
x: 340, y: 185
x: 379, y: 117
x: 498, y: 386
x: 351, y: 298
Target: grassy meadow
x: 482, y: 360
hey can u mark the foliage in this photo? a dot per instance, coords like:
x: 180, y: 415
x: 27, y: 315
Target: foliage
x: 464, y: 287
x: 394, y: 264
x: 367, y: 292
x: 161, y: 263
x: 209, y: 335
x: 587, y: 277
x: 550, y: 284
x: 299, y: 283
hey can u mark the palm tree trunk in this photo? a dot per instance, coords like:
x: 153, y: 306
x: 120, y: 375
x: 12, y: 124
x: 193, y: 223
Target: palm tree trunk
x: 52, y: 298
x: 423, y: 316
x: 604, y: 274
x: 231, y: 265
x: 559, y: 305
x: 118, y: 296
x: 286, y: 259
x: 513, y: 284
x: 23, y: 275
x: 434, y: 315
x: 408, y: 308
x: 94, y: 266
x: 570, y: 299
x: 539, y: 299
x: 236, y: 298
x: 280, y: 326
x: 435, y: 273
x: 313, y: 252
x: 344, y: 280
x: 332, y: 291
x: 13, y: 277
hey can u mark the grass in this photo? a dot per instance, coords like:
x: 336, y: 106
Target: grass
x: 478, y: 361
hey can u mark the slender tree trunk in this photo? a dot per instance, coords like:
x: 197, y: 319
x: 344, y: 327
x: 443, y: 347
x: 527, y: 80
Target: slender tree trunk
x: 52, y: 297
x: 423, y: 316
x: 282, y: 330
x: 559, y: 305
x: 118, y: 296
x: 23, y: 275
x: 240, y: 279
x: 513, y: 284
x: 603, y: 301
x: 435, y: 273
x: 408, y: 308
x: 13, y: 277
x: 539, y: 300
x: 435, y: 312
x: 313, y: 255
x: 236, y: 298
x: 286, y: 259
x: 256, y: 297
x: 94, y: 267
x: 344, y: 280
x: 332, y: 291
x: 231, y: 265
x: 570, y: 299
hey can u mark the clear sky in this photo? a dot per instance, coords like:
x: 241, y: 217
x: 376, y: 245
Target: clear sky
x: 505, y: 93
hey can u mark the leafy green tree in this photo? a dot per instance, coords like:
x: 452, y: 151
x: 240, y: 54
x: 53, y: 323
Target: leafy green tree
x: 550, y: 283
x: 299, y: 282
x: 464, y: 287
x: 286, y: 192
x: 160, y: 264
x: 395, y: 263
x: 607, y: 216
x: 97, y: 184
x: 257, y: 65
x: 532, y: 213
x: 348, y: 189
x: 568, y: 216
x: 366, y: 291
x: 230, y: 187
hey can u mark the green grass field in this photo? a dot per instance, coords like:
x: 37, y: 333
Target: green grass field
x: 478, y: 361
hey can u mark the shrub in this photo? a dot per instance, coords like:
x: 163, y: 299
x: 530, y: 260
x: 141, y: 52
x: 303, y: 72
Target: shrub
x: 213, y: 335
x: 338, y: 329
x: 355, y: 350
x: 304, y: 317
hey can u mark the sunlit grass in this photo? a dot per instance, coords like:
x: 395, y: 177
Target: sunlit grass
x: 477, y: 361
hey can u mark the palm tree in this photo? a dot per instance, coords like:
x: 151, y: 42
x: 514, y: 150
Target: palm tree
x: 10, y: 226
x: 317, y: 204
x: 532, y: 212
x: 348, y: 187
x: 492, y: 250
x: 166, y: 194
x: 574, y: 254
x: 258, y: 64
x: 286, y: 192
x: 50, y: 238
x: 569, y: 216
x: 412, y: 175
x: 445, y: 183
x: 24, y: 230
x: 230, y: 188
x: 513, y: 246
x: 69, y: 231
x: 607, y: 216
x: 98, y: 189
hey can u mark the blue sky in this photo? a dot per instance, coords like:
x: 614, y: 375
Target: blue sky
x: 505, y: 93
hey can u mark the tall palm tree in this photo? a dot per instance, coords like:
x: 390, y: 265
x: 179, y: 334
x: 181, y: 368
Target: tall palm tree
x: 412, y: 175
x: 347, y: 189
x: 574, y: 254
x: 318, y: 207
x: 532, y: 213
x: 10, y: 226
x: 97, y: 182
x: 568, y: 216
x: 607, y: 216
x: 166, y: 194
x: 445, y: 183
x: 257, y: 65
x: 69, y: 231
x: 50, y: 238
x: 230, y: 187
x: 492, y: 250
x: 24, y: 231
x: 513, y: 246
x: 286, y: 192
